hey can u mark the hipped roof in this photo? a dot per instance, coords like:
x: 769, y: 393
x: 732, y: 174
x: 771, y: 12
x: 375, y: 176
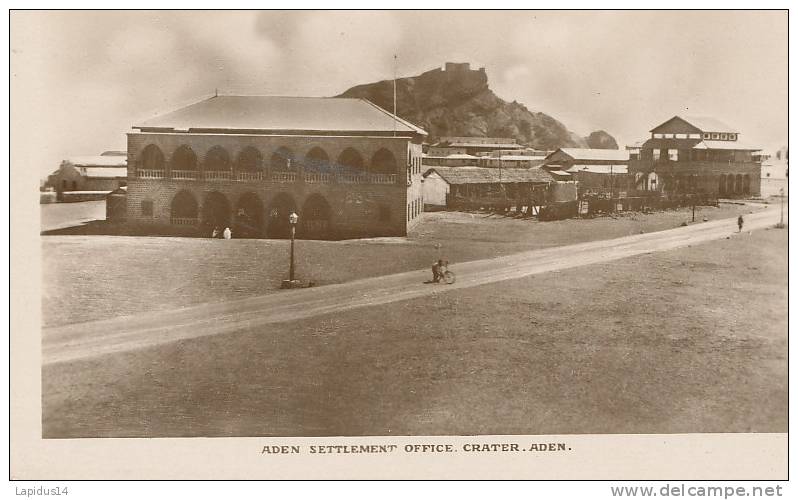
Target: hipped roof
x: 278, y: 113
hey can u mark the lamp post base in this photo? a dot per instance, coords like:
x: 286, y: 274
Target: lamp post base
x: 292, y: 284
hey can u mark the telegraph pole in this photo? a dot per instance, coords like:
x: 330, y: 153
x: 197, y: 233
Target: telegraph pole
x: 781, y: 219
x: 394, y: 94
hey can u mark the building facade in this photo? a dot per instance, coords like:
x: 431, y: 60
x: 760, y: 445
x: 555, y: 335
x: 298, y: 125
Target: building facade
x: 347, y: 167
x: 82, y: 178
x: 452, y: 160
x: 697, y: 155
x: 602, y: 172
x: 472, y: 145
x: 451, y: 186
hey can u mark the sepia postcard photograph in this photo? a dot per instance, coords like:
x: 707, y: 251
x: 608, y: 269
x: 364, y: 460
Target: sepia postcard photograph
x: 399, y: 244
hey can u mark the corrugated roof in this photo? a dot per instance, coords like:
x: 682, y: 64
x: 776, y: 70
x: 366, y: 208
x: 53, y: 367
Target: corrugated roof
x: 457, y: 156
x: 322, y: 114
x: 483, y: 175
x: 596, y: 154
x: 538, y: 159
x: 599, y: 169
x: 481, y: 145
x: 97, y: 161
x: 702, y: 123
x: 709, y: 124
x: 727, y: 145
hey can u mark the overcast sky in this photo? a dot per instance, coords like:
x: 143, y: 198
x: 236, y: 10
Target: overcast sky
x: 81, y: 79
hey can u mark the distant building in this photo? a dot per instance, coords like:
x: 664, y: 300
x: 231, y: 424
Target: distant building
x: 510, y: 161
x: 453, y: 160
x: 518, y: 152
x: 774, y: 176
x: 697, y: 155
x: 634, y: 150
x: 82, y: 178
x: 472, y: 145
x: 347, y: 167
x: 597, y: 171
x: 443, y: 186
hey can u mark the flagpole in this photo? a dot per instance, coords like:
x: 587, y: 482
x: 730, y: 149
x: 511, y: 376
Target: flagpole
x: 394, y: 95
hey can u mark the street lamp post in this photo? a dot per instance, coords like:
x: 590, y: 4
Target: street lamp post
x: 292, y: 220
x: 781, y: 219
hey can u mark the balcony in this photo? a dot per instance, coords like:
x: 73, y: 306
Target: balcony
x: 186, y: 175
x: 217, y: 176
x: 249, y: 176
x: 318, y: 178
x: 151, y: 174
x: 284, y: 176
x: 272, y: 177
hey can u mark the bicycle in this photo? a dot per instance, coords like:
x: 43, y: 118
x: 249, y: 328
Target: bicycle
x: 446, y: 276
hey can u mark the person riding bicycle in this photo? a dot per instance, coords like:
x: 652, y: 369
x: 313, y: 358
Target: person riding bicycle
x: 438, y: 269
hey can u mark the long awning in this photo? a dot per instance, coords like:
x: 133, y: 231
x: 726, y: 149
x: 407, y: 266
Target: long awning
x: 599, y: 169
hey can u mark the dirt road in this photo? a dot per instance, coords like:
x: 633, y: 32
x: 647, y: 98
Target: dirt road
x: 77, y: 341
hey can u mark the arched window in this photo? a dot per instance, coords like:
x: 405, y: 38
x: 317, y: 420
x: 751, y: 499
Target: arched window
x: 151, y: 158
x: 184, y: 159
x: 350, y: 160
x: 277, y: 225
x: 383, y: 162
x: 217, y: 160
x: 315, y: 217
x: 249, y: 160
x: 216, y: 211
x: 248, y: 222
x: 282, y: 160
x: 738, y: 184
x: 747, y: 184
x: 184, y: 206
x: 317, y: 160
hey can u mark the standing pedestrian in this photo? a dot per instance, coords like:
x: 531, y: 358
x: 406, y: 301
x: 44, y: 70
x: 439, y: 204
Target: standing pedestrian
x: 227, y: 233
x: 215, y: 233
x: 740, y: 224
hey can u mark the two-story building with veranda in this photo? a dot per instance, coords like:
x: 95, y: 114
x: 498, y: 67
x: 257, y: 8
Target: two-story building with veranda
x: 347, y: 167
x: 696, y: 155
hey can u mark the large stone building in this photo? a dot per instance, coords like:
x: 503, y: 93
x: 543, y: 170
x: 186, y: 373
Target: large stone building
x: 346, y: 166
x: 696, y: 155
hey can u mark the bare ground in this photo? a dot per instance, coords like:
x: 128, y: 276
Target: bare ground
x: 689, y: 340
x: 93, y: 277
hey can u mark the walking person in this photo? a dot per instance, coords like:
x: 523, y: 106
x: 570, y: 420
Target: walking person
x: 740, y: 224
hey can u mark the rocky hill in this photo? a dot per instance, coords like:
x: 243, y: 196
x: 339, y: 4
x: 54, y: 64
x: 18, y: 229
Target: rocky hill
x: 457, y: 101
x: 601, y: 140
